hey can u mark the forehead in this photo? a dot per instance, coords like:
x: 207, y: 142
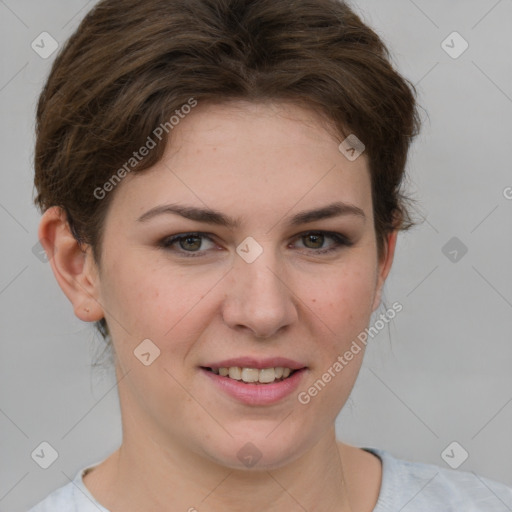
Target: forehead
x: 281, y: 127
x: 260, y: 155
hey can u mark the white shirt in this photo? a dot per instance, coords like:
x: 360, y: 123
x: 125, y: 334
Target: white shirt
x: 406, y: 487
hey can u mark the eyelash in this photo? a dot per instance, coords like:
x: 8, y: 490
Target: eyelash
x: 339, y: 242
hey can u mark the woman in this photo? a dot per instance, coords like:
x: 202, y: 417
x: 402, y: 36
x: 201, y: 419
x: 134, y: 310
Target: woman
x: 221, y: 188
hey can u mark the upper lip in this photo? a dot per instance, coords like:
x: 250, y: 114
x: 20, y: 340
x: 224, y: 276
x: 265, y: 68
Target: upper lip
x: 252, y: 362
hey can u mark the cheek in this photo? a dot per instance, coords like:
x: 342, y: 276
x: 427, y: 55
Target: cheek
x: 343, y: 301
x: 145, y: 294
x: 342, y: 309
x: 167, y: 305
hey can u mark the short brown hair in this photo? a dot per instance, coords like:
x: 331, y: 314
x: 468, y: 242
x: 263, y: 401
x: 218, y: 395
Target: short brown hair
x: 130, y: 65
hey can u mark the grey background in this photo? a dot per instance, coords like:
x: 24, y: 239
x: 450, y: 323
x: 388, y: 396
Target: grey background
x: 441, y: 373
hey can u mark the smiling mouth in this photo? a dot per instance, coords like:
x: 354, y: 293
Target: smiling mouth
x: 253, y: 375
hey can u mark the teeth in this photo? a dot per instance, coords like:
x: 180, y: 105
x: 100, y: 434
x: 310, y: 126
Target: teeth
x: 235, y: 373
x: 267, y: 375
x: 251, y: 375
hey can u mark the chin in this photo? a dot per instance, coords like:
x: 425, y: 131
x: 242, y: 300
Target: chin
x: 257, y: 451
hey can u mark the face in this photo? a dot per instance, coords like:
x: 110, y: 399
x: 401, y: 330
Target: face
x: 269, y: 290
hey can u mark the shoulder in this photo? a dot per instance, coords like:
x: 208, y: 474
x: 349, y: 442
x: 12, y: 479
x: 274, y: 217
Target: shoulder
x: 57, y: 500
x: 72, y: 497
x: 425, y: 487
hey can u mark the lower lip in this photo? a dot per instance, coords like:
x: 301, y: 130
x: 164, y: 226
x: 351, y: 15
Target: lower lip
x: 257, y: 394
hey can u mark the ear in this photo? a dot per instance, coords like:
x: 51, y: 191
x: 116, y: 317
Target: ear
x: 73, y: 266
x: 385, y: 266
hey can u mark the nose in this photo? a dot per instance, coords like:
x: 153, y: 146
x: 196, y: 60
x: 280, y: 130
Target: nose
x: 259, y: 300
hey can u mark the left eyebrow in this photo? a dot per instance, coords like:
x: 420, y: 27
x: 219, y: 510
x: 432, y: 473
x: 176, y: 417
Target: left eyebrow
x: 210, y: 216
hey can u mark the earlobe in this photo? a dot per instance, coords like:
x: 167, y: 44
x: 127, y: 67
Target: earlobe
x: 72, y: 265
x: 385, y: 264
